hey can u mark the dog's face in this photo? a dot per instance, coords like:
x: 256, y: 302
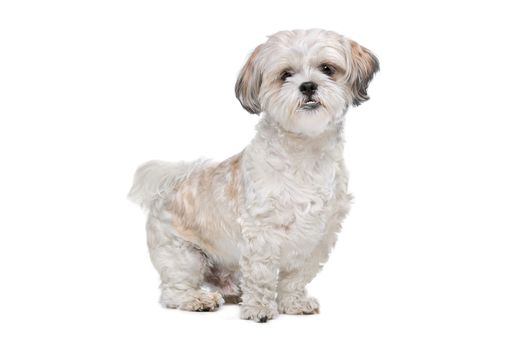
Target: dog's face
x: 306, y: 79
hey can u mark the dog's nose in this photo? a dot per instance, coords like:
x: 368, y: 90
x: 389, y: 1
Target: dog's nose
x: 308, y: 88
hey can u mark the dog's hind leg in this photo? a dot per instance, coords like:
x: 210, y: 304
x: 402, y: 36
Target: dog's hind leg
x: 182, y: 267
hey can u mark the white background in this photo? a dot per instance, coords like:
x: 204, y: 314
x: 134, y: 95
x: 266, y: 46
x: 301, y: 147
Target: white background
x: 431, y: 256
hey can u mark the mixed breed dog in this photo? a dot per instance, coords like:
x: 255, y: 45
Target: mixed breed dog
x: 256, y: 228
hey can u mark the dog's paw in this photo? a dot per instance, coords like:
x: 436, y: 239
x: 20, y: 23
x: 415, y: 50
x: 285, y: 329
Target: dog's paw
x: 294, y: 305
x: 203, y: 301
x: 258, y: 313
x: 198, y: 300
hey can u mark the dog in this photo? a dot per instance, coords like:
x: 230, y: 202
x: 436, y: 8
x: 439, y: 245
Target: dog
x: 256, y: 228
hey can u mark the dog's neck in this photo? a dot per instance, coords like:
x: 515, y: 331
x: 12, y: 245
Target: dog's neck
x: 281, y: 140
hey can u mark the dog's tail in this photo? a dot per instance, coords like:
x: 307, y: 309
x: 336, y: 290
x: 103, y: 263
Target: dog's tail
x: 155, y: 180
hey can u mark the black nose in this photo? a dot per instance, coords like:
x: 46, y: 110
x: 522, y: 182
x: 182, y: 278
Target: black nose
x: 308, y: 88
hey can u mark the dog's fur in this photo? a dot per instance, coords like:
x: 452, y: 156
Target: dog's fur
x: 259, y: 225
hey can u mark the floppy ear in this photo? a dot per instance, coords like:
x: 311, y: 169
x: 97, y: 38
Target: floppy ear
x: 249, y: 84
x: 363, y: 67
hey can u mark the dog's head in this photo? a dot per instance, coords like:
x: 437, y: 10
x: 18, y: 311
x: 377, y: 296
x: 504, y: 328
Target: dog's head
x: 306, y: 79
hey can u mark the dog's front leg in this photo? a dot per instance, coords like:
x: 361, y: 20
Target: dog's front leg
x: 292, y: 296
x: 259, y: 272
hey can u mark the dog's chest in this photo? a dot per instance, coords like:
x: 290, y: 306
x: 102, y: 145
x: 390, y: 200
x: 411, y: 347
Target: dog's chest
x: 295, y: 196
x: 305, y: 193
x: 305, y: 204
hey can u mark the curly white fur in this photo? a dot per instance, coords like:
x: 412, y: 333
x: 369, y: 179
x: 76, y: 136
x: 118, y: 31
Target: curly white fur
x: 260, y: 225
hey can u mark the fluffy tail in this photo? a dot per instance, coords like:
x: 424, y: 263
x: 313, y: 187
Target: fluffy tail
x: 155, y: 179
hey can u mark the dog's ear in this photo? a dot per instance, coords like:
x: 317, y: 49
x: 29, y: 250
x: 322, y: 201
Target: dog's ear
x: 249, y: 83
x: 364, y: 64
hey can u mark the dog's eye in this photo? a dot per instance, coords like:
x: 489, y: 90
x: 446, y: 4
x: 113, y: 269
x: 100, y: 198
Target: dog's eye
x: 327, y: 69
x: 285, y: 75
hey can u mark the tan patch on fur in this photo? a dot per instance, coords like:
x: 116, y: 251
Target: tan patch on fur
x: 357, y: 51
x: 184, y: 207
x: 195, y: 197
x: 361, y: 57
x: 234, y: 185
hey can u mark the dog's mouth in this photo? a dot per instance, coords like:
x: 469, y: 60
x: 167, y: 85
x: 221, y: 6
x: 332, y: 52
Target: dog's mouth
x: 310, y: 104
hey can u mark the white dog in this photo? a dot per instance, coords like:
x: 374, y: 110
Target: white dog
x: 258, y: 226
